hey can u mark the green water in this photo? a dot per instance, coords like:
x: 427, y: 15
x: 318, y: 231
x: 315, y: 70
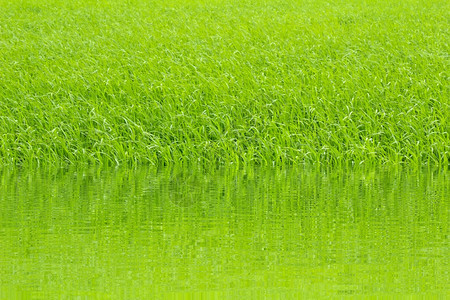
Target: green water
x: 258, y: 233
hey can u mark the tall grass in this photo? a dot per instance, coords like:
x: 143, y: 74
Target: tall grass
x: 217, y: 82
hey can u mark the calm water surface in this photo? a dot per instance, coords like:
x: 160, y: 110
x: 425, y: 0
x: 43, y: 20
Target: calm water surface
x: 269, y: 233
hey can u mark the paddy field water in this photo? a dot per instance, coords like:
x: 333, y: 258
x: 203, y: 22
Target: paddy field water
x: 249, y: 234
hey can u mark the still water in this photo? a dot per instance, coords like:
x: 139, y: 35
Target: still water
x: 257, y: 233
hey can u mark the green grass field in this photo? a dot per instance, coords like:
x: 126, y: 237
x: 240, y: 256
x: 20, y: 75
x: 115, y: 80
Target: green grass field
x: 217, y: 82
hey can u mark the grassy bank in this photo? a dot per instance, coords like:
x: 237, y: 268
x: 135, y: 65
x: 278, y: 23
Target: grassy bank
x: 266, y: 82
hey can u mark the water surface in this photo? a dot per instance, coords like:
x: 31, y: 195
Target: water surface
x: 273, y: 233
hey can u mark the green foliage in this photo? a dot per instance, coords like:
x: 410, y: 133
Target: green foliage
x: 220, y: 82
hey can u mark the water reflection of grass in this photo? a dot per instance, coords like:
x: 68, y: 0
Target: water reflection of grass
x: 74, y: 233
x: 240, y: 82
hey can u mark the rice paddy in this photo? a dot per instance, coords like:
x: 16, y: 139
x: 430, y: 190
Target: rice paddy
x: 224, y: 82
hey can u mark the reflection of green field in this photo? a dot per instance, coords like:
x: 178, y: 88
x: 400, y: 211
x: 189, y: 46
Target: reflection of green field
x: 271, y: 82
x: 274, y: 233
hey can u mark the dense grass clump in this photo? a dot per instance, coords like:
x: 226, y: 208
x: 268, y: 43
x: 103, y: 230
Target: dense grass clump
x: 264, y: 82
